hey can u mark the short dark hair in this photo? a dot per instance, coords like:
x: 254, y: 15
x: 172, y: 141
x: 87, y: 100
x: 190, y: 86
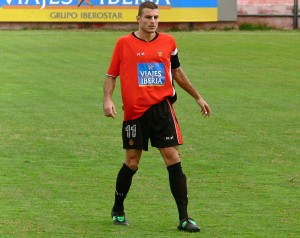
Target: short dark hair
x: 148, y: 4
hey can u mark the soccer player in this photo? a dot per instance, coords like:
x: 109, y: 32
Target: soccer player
x: 147, y: 62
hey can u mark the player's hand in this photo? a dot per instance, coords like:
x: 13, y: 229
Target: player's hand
x: 109, y: 109
x: 205, y: 109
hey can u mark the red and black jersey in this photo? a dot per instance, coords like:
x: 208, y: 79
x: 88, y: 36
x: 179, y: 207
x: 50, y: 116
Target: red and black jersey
x: 145, y: 71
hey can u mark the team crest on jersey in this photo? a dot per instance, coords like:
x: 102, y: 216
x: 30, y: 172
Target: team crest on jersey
x: 160, y: 53
x: 151, y: 74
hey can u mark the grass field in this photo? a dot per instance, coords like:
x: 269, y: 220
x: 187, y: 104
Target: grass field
x: 59, y: 155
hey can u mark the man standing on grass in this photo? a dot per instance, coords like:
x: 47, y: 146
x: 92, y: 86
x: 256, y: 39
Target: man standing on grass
x: 147, y: 62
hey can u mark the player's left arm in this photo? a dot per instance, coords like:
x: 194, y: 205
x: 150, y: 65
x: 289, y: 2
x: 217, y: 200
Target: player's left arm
x: 183, y: 81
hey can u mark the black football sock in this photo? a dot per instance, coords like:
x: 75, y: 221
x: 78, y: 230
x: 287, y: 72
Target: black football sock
x: 178, y: 187
x: 123, y: 183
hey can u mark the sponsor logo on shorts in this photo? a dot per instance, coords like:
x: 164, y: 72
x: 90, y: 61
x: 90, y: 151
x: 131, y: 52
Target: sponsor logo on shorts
x: 131, y: 142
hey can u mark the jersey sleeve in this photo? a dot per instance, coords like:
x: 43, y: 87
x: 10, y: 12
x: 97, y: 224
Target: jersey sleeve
x: 114, y: 68
x: 175, y: 62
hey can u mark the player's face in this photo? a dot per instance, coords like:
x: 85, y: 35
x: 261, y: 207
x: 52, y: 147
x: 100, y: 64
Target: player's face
x: 148, y: 21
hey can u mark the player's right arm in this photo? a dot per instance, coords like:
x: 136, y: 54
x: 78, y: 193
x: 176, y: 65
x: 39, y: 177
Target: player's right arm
x: 108, y: 89
x: 110, y: 82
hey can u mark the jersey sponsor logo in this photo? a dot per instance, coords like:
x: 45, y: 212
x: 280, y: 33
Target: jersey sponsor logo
x: 151, y: 74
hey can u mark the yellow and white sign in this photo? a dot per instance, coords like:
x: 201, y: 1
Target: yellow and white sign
x: 104, y: 10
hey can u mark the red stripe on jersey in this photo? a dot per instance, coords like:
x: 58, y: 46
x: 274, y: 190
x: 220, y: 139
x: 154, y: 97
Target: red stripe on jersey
x: 178, y: 132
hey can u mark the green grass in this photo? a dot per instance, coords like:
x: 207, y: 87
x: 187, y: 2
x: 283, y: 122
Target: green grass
x: 59, y: 155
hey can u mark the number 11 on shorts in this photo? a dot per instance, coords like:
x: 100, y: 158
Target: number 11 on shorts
x: 131, y: 131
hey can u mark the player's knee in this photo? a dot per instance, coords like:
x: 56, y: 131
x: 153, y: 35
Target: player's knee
x: 170, y: 155
x: 171, y: 161
x: 132, y: 164
x: 132, y: 159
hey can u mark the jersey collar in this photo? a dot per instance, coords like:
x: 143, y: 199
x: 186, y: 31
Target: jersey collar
x: 155, y: 37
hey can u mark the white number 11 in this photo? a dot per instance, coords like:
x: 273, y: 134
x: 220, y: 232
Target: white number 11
x: 131, y: 131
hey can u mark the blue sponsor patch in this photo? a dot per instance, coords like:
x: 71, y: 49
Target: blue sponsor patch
x: 151, y: 74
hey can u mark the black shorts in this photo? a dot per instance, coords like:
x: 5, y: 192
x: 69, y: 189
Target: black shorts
x: 159, y: 124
